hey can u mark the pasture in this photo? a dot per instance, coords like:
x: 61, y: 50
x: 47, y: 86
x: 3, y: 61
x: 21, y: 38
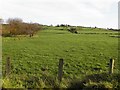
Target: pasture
x: 34, y: 60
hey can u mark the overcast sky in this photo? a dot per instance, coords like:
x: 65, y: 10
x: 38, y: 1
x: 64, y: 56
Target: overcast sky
x: 100, y: 13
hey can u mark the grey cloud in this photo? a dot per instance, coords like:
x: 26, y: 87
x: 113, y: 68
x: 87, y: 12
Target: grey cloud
x: 84, y: 12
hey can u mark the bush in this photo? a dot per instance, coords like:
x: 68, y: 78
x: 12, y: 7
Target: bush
x: 73, y: 30
x: 17, y: 27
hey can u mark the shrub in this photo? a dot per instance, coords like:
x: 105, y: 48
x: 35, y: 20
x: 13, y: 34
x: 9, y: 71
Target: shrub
x: 17, y: 27
x: 73, y: 30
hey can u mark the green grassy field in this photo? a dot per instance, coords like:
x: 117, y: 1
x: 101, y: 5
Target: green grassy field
x: 35, y: 60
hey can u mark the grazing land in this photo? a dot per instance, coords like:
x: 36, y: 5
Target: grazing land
x: 34, y: 60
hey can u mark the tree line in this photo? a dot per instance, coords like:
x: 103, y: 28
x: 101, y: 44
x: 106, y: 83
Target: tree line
x: 16, y: 26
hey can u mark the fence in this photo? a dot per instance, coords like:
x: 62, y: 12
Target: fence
x: 60, y: 68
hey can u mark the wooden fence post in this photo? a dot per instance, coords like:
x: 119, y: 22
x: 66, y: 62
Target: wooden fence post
x: 8, y: 66
x: 60, y: 70
x: 111, y: 66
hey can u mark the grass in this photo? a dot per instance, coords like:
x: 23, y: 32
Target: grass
x: 37, y: 58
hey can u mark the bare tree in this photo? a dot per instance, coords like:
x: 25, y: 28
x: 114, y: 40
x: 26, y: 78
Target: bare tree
x: 17, y: 27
